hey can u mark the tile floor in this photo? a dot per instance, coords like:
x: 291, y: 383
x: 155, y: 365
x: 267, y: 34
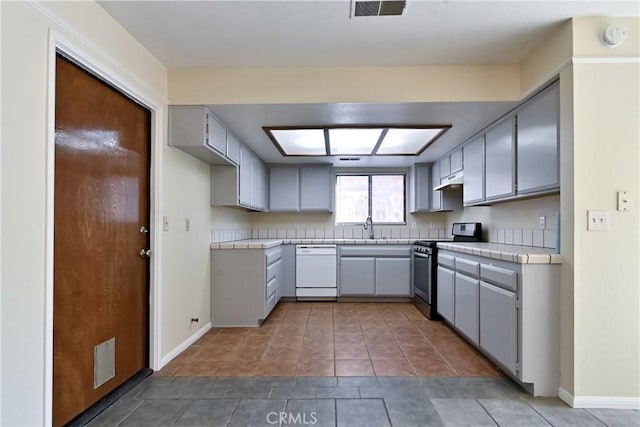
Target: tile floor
x: 334, y: 339
x: 344, y: 365
x: 346, y: 402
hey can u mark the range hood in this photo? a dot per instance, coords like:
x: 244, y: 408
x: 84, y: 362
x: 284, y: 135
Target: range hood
x: 452, y: 182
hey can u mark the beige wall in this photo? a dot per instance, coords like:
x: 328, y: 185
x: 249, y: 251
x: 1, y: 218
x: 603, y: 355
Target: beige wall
x: 183, y: 192
x: 607, y: 291
x: 340, y: 84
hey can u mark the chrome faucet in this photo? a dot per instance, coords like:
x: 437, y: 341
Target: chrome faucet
x: 368, y: 224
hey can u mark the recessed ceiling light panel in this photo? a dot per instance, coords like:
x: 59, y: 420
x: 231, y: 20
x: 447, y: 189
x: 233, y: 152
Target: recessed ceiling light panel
x: 407, y: 141
x: 300, y: 142
x: 353, y: 141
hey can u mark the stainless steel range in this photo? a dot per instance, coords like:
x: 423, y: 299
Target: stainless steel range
x: 425, y: 253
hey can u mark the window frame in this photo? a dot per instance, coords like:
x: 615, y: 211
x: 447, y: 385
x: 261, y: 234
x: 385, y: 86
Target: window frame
x: 370, y: 192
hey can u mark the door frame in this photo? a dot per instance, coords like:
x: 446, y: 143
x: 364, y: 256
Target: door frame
x: 100, y: 64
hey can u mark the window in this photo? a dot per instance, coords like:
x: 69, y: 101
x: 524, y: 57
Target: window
x: 380, y: 196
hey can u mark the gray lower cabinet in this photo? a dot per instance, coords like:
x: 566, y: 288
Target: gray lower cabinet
x: 375, y: 270
x: 393, y: 276
x: 357, y: 276
x: 466, y: 316
x: 446, y: 293
x: 500, y: 159
x: 537, y: 153
x: 288, y: 283
x: 499, y: 325
x: 245, y: 285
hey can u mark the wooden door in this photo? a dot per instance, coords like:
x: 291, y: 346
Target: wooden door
x: 102, y: 144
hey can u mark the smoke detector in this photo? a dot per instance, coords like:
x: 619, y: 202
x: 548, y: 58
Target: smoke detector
x: 378, y: 8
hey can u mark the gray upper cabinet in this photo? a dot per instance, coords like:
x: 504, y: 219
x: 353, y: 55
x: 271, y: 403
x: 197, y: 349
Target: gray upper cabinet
x: 436, y: 196
x: 258, y: 177
x: 299, y: 189
x: 284, y: 184
x: 445, y: 167
x: 217, y: 135
x: 455, y: 161
x: 233, y: 148
x: 196, y: 131
x: 538, y: 160
x: 242, y: 185
x: 316, y: 189
x: 473, y: 188
x: 500, y: 159
x: 244, y: 195
x: 420, y: 188
x: 443, y: 201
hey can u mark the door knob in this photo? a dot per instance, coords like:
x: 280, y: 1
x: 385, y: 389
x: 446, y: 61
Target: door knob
x: 145, y: 253
x: 144, y: 230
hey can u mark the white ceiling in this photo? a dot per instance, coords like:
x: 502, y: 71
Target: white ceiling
x: 184, y: 34
x: 298, y: 33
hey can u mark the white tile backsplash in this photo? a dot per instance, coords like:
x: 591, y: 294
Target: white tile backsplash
x: 538, y: 238
x: 524, y: 237
x: 517, y: 237
x: 549, y: 239
x: 508, y: 237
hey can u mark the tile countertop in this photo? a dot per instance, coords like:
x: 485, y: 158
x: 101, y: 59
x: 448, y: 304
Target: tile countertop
x: 270, y: 243
x: 511, y: 253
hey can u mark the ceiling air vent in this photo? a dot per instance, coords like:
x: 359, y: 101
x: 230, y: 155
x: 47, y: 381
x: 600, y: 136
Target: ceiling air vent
x: 377, y: 8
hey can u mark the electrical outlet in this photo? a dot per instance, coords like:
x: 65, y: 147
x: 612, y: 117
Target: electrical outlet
x: 187, y: 224
x: 165, y: 223
x: 597, y: 220
x: 543, y: 223
x: 414, y: 225
x: 432, y: 225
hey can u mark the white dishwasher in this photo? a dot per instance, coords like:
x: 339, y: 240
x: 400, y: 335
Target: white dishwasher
x: 316, y: 272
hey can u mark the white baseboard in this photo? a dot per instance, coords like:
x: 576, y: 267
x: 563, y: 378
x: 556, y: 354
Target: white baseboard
x: 184, y: 345
x: 600, y: 402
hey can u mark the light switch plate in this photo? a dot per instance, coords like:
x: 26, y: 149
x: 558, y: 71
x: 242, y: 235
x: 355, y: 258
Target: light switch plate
x: 597, y: 220
x: 624, y: 201
x: 165, y: 223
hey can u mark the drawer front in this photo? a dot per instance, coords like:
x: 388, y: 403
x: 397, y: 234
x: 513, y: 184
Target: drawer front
x: 376, y: 251
x: 502, y: 277
x: 272, y: 271
x: 271, y: 302
x: 272, y: 255
x: 470, y: 268
x: 446, y: 260
x: 271, y: 287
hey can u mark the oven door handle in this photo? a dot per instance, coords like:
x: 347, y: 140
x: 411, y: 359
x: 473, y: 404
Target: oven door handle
x: 421, y: 255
